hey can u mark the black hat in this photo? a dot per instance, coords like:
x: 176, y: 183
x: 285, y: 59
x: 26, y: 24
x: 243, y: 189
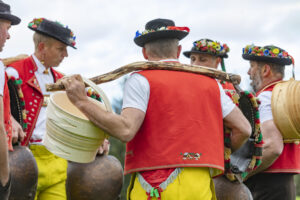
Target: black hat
x: 270, y: 54
x: 6, y: 14
x: 53, y: 29
x: 207, y: 46
x: 159, y: 29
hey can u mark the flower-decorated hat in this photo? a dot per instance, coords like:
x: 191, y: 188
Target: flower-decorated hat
x: 6, y: 14
x: 53, y: 29
x: 159, y: 29
x: 268, y: 53
x: 207, y: 46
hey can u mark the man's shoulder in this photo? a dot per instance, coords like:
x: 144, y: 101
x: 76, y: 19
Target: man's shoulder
x: 22, y: 64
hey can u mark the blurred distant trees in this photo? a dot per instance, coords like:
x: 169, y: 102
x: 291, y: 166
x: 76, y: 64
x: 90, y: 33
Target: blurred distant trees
x: 117, y: 148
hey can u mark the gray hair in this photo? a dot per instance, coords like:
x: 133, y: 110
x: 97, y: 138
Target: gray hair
x: 162, y: 48
x: 38, y: 38
x: 275, y: 68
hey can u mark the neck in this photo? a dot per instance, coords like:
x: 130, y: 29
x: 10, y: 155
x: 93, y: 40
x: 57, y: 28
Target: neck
x: 158, y: 59
x: 40, y: 58
x: 269, y: 81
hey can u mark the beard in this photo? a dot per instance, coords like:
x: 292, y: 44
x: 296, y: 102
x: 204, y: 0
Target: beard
x: 256, y: 82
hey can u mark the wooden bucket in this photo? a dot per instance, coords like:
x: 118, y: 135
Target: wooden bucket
x: 70, y: 134
x: 286, y: 109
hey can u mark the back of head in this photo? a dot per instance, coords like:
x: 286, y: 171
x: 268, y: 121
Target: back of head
x: 162, y: 48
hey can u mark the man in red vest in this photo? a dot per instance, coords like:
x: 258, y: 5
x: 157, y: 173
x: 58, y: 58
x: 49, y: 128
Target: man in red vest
x: 6, y: 20
x: 209, y: 53
x: 51, y: 40
x: 171, y: 121
x: 273, y: 179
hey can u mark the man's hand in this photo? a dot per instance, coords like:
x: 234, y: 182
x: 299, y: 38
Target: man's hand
x: 104, y: 148
x: 17, y: 132
x: 75, y: 88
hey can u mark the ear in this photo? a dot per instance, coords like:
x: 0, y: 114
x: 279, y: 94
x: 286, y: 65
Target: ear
x: 218, y: 61
x: 266, y: 70
x: 144, y: 53
x: 179, y: 51
x: 41, y: 46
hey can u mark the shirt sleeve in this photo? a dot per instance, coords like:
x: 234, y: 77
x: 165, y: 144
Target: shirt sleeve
x: 265, y: 109
x: 136, y: 92
x: 10, y: 71
x: 2, y: 78
x: 226, y: 102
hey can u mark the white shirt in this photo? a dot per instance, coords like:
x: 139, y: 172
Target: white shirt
x: 137, y: 92
x: 265, y: 109
x: 43, y: 79
x: 2, y: 78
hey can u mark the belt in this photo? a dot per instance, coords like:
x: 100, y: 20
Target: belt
x: 35, y: 141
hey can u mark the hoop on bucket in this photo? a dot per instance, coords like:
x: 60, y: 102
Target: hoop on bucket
x: 70, y: 134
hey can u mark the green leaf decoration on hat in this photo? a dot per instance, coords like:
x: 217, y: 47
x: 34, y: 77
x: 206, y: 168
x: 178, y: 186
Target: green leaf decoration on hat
x: 35, y: 22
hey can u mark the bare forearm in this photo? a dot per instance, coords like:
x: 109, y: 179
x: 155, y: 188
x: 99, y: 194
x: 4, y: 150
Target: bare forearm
x: 113, y: 124
x: 124, y: 126
x: 267, y: 160
x: 4, y: 166
x: 272, y: 148
x: 239, y: 138
x: 240, y: 127
x: 109, y: 122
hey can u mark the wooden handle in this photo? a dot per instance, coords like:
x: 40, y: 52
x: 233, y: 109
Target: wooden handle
x: 136, y: 66
x: 8, y: 61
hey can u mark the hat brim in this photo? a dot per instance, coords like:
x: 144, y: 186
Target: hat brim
x: 12, y: 18
x: 280, y: 61
x: 52, y: 36
x: 149, y: 37
x: 188, y: 54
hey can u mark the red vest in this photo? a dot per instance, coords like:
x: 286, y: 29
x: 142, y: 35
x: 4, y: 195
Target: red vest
x: 6, y: 113
x: 227, y: 86
x: 289, y: 160
x: 183, y: 125
x: 32, y: 92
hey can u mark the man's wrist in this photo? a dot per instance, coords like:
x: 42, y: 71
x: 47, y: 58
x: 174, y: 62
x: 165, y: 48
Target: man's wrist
x: 81, y: 104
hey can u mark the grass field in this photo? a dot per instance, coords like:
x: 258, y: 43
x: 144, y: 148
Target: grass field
x: 298, y: 198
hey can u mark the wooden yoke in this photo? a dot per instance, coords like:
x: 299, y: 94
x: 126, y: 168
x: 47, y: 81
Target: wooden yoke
x: 8, y: 61
x: 136, y: 66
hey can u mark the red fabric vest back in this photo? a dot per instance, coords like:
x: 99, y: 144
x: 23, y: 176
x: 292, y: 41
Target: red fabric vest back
x: 289, y: 159
x: 6, y: 109
x: 31, y: 90
x: 227, y: 86
x: 183, y: 125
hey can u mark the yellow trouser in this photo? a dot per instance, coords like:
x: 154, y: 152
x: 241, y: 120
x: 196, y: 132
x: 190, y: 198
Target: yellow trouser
x: 190, y: 184
x: 52, y: 174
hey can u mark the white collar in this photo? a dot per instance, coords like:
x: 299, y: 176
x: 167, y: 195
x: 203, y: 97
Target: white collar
x: 40, y: 67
